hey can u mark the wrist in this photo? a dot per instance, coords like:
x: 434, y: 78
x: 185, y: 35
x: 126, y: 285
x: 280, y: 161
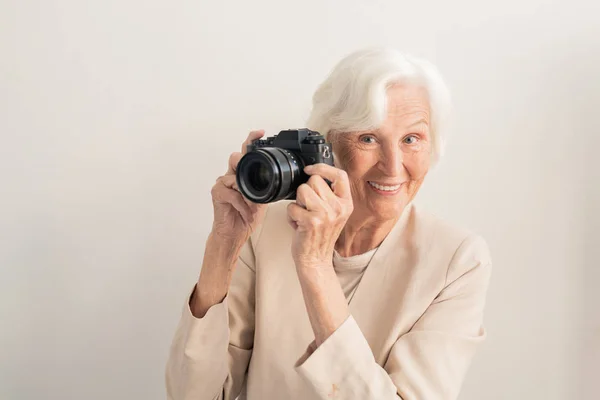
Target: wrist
x: 222, y: 248
x: 220, y: 258
x: 314, y: 268
x: 316, y: 275
x: 324, y: 299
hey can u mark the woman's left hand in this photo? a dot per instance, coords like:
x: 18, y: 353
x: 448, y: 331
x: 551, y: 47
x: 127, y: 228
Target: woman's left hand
x: 319, y: 215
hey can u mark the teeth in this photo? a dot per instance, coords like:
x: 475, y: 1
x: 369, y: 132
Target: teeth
x: 384, y: 188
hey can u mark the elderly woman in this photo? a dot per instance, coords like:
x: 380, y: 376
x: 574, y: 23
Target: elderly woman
x: 351, y: 291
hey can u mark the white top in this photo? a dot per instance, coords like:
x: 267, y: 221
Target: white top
x: 349, y: 270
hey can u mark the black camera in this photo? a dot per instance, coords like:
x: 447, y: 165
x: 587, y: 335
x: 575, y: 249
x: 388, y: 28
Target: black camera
x: 273, y: 168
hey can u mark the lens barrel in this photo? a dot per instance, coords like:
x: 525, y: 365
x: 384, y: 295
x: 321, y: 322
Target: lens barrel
x: 268, y: 174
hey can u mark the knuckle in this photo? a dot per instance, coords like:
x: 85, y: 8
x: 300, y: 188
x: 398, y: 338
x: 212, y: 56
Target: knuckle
x: 314, y: 179
x: 330, y: 219
x: 315, y: 221
x: 336, y: 211
x: 234, y: 158
x: 350, y: 208
x: 219, y: 181
x: 302, y: 189
x: 337, y: 207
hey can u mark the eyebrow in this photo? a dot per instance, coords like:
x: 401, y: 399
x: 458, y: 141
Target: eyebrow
x: 421, y: 121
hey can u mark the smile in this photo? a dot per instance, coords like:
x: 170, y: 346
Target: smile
x: 384, y: 188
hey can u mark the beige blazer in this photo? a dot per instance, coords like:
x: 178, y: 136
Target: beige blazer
x: 416, y: 319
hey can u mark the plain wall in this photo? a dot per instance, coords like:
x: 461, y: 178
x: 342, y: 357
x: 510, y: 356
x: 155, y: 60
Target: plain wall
x: 116, y: 117
x: 590, y: 345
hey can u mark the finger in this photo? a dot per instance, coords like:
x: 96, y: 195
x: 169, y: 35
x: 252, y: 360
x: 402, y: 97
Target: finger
x: 229, y: 181
x: 291, y: 222
x: 321, y: 188
x: 234, y: 160
x: 252, y: 136
x: 338, y: 178
x: 296, y: 213
x: 224, y: 194
x: 307, y: 197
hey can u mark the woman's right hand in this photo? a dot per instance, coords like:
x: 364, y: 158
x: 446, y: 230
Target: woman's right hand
x: 235, y: 217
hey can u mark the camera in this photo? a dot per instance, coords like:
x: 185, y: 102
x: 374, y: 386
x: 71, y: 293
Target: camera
x: 273, y: 168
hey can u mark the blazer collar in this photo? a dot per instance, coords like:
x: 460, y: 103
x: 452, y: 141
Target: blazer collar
x: 389, y: 265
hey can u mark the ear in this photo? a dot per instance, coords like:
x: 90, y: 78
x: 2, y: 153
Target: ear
x: 330, y: 136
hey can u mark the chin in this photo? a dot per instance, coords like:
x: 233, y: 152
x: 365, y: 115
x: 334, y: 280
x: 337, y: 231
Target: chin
x: 387, y: 211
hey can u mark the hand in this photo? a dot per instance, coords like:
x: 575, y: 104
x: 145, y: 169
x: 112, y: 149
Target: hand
x: 319, y: 215
x: 235, y: 217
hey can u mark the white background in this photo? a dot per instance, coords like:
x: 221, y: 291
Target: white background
x: 117, y: 116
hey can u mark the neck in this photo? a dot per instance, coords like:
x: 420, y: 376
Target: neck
x: 362, y: 234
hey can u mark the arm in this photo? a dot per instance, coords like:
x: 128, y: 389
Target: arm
x: 213, y: 343
x: 324, y: 299
x: 429, y: 362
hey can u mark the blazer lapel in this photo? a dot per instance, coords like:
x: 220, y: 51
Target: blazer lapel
x: 378, y: 299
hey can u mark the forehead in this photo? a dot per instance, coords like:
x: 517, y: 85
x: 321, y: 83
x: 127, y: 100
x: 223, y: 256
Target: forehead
x: 407, y: 104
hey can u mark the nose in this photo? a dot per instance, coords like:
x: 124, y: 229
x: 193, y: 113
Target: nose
x: 392, y: 161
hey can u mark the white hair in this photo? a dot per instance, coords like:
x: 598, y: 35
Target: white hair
x: 354, y: 95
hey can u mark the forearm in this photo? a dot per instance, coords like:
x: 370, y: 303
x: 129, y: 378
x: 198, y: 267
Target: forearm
x: 343, y: 353
x: 220, y: 257
x: 325, y: 301
x: 213, y: 343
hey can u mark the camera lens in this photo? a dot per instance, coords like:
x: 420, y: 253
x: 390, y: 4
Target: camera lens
x: 268, y: 174
x: 259, y: 175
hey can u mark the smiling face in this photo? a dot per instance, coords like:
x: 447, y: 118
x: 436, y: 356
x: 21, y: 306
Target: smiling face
x: 387, y: 166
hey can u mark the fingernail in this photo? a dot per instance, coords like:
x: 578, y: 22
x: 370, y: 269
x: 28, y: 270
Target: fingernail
x: 308, y: 168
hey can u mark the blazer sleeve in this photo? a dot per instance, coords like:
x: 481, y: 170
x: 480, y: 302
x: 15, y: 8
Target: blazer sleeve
x: 209, y: 356
x: 427, y: 363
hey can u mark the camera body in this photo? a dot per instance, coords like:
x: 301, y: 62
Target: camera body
x: 273, y: 168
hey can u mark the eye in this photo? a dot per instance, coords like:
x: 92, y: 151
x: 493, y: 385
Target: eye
x: 368, y: 139
x: 413, y: 141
